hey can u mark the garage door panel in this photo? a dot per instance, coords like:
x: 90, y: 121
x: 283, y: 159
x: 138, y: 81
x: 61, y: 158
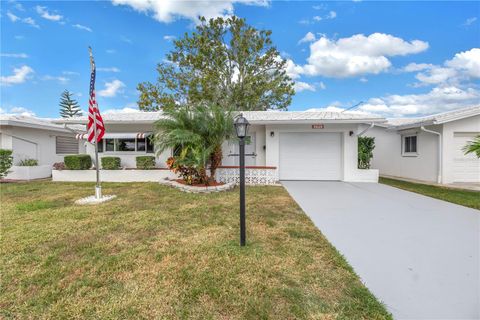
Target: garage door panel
x: 310, y: 156
x: 466, y: 168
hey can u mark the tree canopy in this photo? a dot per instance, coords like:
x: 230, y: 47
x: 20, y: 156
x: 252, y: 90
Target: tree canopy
x: 224, y: 62
x: 69, y: 107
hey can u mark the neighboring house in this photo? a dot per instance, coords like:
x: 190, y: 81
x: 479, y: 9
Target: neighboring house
x: 283, y: 145
x: 34, y: 138
x: 429, y: 148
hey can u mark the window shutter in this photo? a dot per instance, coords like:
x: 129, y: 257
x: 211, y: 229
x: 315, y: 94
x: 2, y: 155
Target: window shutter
x: 66, y: 145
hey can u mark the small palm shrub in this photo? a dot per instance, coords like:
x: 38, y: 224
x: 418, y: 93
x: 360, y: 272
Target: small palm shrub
x: 473, y: 146
x: 365, y: 151
x: 78, y: 162
x: 145, y: 162
x: 6, y: 162
x: 28, y: 163
x: 110, y: 163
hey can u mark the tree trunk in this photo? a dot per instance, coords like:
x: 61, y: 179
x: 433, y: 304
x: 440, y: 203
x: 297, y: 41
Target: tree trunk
x: 215, y: 161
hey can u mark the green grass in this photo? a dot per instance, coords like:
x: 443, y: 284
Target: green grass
x: 155, y: 252
x: 462, y: 197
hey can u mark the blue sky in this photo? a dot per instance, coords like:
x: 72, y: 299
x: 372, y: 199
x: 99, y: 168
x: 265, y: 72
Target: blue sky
x: 401, y: 59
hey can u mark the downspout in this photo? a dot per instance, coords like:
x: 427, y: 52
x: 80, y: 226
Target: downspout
x: 368, y: 128
x: 440, y: 151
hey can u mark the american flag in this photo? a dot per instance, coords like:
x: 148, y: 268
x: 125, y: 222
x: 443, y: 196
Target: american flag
x: 95, y: 121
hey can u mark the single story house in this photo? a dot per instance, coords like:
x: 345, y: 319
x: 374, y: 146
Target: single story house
x: 282, y: 145
x: 428, y: 148
x: 39, y: 139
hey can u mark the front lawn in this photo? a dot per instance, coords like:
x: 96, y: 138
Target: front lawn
x: 156, y: 252
x: 462, y: 197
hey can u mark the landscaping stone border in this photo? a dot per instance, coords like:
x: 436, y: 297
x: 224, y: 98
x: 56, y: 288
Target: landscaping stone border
x: 192, y: 189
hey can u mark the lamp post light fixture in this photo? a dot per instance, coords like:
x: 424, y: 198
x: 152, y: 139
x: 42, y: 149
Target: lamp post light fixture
x: 241, y: 128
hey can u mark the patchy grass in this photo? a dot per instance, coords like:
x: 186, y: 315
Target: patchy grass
x: 156, y: 252
x: 462, y: 197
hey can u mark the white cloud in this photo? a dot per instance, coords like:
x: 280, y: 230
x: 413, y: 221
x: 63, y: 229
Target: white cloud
x: 20, y: 75
x: 317, y: 18
x: 111, y: 51
x: 30, y: 22
x: 169, y: 37
x: 464, y: 66
x: 60, y: 79
x: 42, y: 11
x: 17, y: 111
x: 293, y: 71
x: 171, y: 10
x: 129, y: 109
x: 309, y: 37
x: 413, y: 67
x: 302, y: 86
x: 435, y: 101
x: 14, y: 55
x: 27, y: 20
x: 112, y: 88
x: 467, y: 61
x: 82, y: 27
x: 109, y: 69
x: 357, y: 55
x: 12, y: 17
x: 70, y: 73
x: 363, y: 79
x: 470, y: 21
x: 331, y: 15
x: 19, y: 37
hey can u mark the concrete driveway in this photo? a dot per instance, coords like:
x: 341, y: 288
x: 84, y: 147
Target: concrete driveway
x: 418, y: 255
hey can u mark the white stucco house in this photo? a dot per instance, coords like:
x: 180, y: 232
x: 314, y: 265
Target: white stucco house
x: 39, y: 139
x: 283, y: 145
x: 428, y: 148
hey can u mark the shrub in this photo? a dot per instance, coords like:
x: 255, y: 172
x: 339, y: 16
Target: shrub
x: 365, y: 151
x: 78, y: 162
x: 59, y: 166
x: 145, y: 162
x: 6, y: 162
x: 28, y: 163
x: 110, y: 163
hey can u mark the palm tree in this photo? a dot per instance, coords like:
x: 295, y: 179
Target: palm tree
x: 198, y: 132
x: 473, y: 146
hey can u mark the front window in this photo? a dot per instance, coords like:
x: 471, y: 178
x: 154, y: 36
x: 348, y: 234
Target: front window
x: 410, y: 145
x: 150, y: 145
x: 126, y: 145
x: 110, y: 145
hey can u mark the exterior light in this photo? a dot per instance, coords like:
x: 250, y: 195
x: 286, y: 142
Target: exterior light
x: 241, y: 126
x: 272, y: 134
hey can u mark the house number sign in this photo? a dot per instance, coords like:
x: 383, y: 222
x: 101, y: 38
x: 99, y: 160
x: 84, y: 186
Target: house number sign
x: 318, y: 126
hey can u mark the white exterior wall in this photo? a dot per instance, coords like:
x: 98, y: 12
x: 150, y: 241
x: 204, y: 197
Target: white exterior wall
x: 258, y: 131
x: 467, y: 125
x: 39, y: 144
x: 388, y: 158
x: 349, y: 145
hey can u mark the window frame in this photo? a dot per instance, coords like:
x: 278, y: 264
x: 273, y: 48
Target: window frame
x: 404, y: 142
x: 116, y: 146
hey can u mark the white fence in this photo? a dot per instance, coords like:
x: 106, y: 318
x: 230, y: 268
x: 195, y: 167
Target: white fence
x: 113, y: 175
x: 253, y: 175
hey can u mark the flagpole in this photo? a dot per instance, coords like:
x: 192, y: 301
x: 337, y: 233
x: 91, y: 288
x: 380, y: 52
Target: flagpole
x: 98, y: 187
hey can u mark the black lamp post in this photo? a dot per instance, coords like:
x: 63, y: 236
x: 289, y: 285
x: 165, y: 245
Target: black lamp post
x: 241, y: 128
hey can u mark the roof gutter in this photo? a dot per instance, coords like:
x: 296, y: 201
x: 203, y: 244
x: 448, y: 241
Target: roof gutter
x: 368, y: 128
x: 440, y: 152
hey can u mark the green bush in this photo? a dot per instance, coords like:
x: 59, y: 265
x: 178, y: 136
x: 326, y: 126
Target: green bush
x: 110, y: 163
x: 365, y: 151
x: 78, y: 162
x: 145, y: 162
x: 6, y: 162
x: 28, y: 163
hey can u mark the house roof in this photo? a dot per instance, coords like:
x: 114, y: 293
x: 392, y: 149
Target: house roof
x: 440, y: 118
x: 31, y: 122
x: 255, y: 117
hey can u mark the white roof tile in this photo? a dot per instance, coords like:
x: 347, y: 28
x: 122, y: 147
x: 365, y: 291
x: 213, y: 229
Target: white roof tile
x: 32, y: 122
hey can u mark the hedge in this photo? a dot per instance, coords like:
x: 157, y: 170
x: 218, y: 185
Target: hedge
x: 78, y: 162
x: 145, y: 162
x: 6, y: 161
x: 110, y: 163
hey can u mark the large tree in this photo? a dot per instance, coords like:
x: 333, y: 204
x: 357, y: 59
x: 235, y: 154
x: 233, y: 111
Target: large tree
x: 224, y: 62
x: 68, y: 106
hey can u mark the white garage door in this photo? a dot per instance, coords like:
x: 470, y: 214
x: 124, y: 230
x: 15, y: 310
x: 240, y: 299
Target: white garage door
x: 310, y: 156
x: 466, y: 168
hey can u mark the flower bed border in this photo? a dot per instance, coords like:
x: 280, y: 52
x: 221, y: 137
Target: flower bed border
x: 193, y: 189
